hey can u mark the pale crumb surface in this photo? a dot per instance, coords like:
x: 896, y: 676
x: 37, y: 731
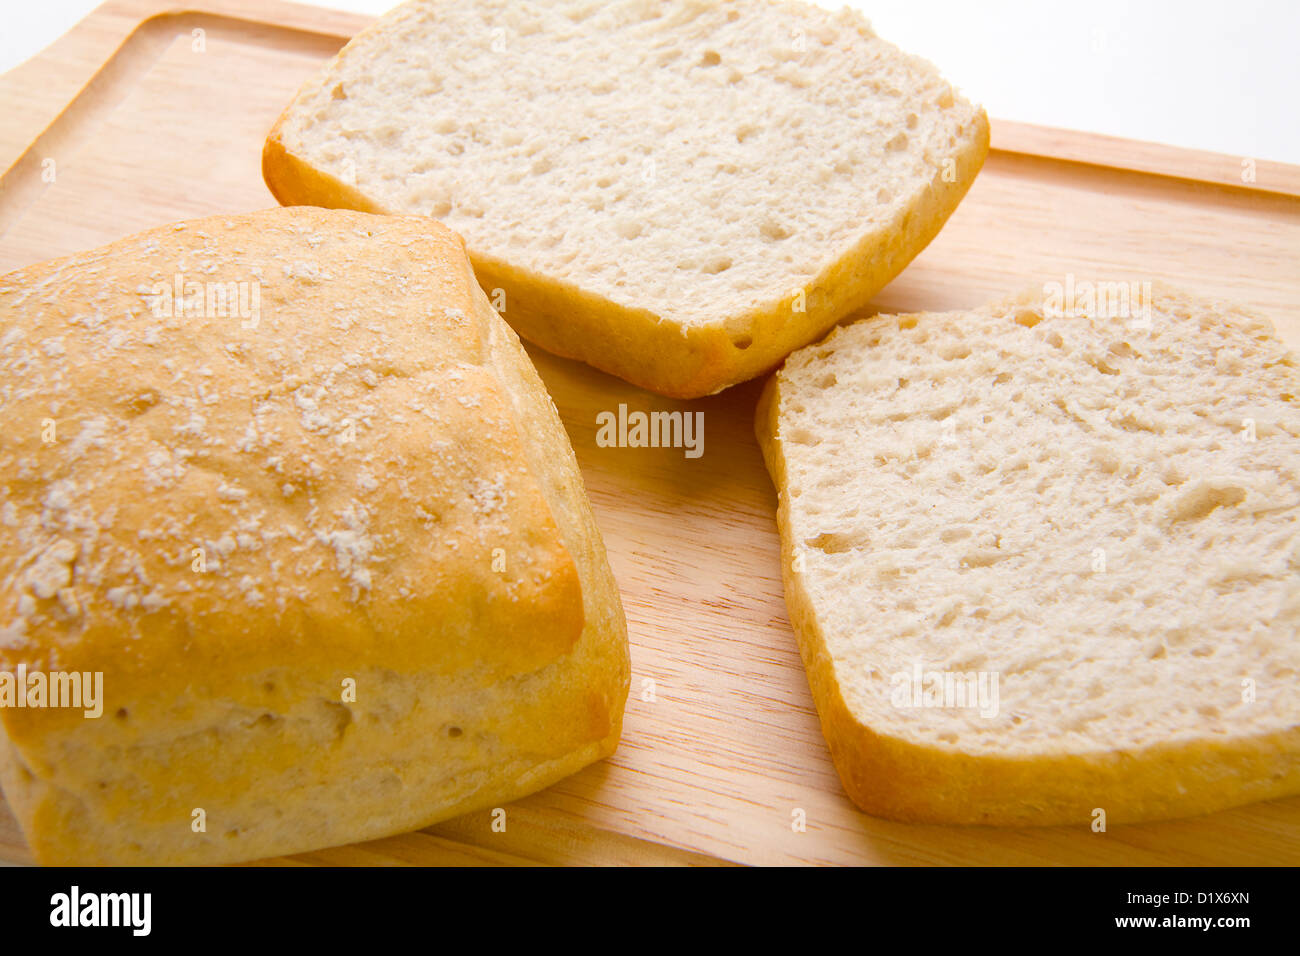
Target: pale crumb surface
x: 955, y: 481
x: 694, y: 159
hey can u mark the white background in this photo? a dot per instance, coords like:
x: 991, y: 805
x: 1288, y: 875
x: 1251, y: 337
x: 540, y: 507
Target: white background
x: 1221, y: 76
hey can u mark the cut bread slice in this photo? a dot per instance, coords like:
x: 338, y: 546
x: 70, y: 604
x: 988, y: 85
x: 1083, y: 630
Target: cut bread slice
x: 679, y: 193
x: 1044, y: 564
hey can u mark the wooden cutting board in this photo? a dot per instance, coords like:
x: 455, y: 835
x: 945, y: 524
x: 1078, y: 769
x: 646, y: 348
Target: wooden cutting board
x: 146, y: 117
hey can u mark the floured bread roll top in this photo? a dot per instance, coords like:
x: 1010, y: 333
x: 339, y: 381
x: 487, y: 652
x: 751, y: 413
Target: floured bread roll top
x: 291, y: 486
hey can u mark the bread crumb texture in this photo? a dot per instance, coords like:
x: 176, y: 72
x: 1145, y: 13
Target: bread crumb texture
x: 1105, y: 517
x: 692, y: 161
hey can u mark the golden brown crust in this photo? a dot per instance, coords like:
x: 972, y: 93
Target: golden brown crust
x: 553, y: 460
x: 915, y: 783
x: 295, y: 467
x: 384, y: 495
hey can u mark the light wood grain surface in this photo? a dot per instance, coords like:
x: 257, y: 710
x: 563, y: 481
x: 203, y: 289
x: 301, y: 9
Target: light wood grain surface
x: 142, y: 130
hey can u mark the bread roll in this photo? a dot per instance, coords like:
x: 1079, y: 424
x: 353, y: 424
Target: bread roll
x: 288, y: 482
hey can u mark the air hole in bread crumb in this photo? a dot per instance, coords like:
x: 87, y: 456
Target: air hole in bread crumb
x: 1201, y: 501
x: 830, y: 543
x: 338, y: 92
x: 1106, y: 460
x: 981, y: 559
x: 711, y: 58
x: 907, y: 322
x: 714, y: 266
x: 1102, y: 366
x: 1028, y: 318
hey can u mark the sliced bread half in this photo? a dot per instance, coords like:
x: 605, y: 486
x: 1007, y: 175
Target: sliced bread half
x: 1044, y: 564
x: 676, y: 192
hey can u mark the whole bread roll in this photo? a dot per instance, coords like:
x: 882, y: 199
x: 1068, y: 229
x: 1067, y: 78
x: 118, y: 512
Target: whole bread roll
x: 292, y: 487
